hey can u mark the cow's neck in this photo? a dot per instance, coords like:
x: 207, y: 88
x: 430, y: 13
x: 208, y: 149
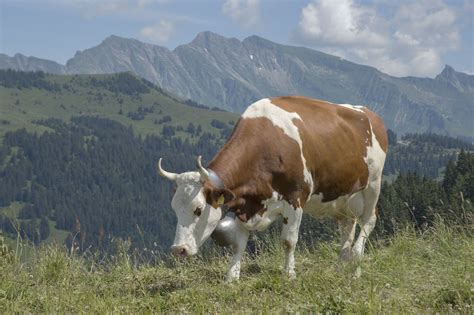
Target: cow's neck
x: 238, y: 169
x: 228, y: 171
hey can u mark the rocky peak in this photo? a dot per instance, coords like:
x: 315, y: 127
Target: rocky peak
x: 209, y: 39
x: 459, y: 80
x: 447, y: 74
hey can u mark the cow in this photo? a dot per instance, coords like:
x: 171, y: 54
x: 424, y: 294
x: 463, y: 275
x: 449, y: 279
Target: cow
x: 286, y: 156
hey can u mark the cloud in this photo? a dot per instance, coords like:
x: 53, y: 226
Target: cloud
x: 244, y: 12
x: 410, y: 41
x: 158, y: 33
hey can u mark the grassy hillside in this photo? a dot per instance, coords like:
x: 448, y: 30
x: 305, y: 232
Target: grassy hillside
x: 26, y: 99
x: 66, y: 106
x: 409, y: 273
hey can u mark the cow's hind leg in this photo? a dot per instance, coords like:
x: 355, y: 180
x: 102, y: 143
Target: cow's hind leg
x: 368, y: 218
x: 347, y: 230
x: 289, y: 237
x: 367, y: 224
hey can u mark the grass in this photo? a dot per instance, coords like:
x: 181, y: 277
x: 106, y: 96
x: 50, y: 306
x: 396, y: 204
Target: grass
x: 408, y: 273
x: 21, y: 107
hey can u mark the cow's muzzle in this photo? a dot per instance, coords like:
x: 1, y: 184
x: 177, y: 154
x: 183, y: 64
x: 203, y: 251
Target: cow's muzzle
x: 180, y: 251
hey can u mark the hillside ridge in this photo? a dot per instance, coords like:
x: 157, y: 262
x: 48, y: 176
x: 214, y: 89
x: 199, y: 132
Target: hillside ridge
x: 231, y: 74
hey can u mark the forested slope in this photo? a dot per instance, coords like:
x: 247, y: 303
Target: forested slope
x: 96, y: 178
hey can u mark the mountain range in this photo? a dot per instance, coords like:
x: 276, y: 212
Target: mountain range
x: 231, y: 74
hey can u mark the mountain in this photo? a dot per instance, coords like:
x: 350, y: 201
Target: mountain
x: 231, y: 74
x: 23, y: 63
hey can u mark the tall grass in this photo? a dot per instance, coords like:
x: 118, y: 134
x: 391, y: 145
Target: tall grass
x: 411, y: 272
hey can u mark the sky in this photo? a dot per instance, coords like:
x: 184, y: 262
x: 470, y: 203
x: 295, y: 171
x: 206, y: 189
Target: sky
x: 401, y: 38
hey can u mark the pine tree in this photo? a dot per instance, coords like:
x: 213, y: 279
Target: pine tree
x: 44, y: 229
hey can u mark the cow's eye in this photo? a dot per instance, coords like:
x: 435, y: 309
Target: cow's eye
x: 198, y: 211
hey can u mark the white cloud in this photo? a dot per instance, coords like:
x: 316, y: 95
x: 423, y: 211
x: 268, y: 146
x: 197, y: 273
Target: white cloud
x: 244, y: 12
x: 158, y: 33
x: 411, y: 41
x: 340, y: 22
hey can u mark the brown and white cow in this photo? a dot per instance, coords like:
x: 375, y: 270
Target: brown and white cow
x: 286, y: 156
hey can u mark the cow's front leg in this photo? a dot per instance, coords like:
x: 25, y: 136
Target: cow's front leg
x: 238, y: 248
x: 289, y: 237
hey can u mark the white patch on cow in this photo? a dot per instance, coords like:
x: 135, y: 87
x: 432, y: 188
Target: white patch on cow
x: 264, y: 108
x: 274, y: 207
x: 319, y: 209
x: 347, y: 205
x: 353, y: 107
x: 192, y: 231
x: 375, y: 158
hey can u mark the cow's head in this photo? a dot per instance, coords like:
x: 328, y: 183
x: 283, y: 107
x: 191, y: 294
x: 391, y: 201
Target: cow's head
x: 197, y: 203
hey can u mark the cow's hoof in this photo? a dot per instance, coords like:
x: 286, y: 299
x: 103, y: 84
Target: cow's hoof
x: 230, y: 280
x: 356, y: 256
x: 291, y: 275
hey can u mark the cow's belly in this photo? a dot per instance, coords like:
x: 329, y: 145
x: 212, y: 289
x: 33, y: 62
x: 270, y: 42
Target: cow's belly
x: 344, y: 205
x: 274, y: 207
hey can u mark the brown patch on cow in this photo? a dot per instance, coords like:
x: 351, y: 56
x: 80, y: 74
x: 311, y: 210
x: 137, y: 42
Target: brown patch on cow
x: 286, y: 244
x: 333, y: 144
x: 285, y: 220
x: 260, y: 158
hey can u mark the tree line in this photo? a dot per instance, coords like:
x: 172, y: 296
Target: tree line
x: 25, y: 80
x: 95, y: 178
x: 426, y: 154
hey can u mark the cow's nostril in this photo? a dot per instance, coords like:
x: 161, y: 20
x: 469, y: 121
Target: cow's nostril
x: 179, y: 251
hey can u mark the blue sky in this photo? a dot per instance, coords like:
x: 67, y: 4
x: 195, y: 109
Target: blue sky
x: 398, y: 37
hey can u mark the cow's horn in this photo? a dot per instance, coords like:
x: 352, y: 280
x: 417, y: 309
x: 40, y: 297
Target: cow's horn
x: 204, y: 173
x: 170, y: 176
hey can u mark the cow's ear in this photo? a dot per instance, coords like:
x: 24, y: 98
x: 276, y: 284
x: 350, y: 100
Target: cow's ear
x: 223, y: 196
x: 219, y: 196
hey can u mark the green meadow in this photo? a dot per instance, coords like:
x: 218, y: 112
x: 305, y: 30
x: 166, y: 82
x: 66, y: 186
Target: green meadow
x: 409, y: 273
